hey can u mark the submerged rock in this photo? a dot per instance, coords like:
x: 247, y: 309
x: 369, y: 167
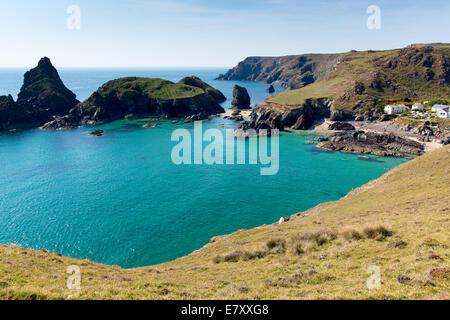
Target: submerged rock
x: 97, y: 133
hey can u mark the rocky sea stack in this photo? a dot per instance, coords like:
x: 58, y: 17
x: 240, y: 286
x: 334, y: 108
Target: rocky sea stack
x: 43, y: 95
x: 133, y: 97
x: 270, y: 89
x: 241, y: 98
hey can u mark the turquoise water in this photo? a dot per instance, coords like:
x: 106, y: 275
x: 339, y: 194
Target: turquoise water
x: 119, y: 199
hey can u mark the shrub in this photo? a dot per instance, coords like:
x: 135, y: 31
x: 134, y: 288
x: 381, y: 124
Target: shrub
x: 320, y: 237
x: 297, y: 249
x: 258, y: 254
x: 276, y: 243
x: 351, y: 234
x: 232, y: 257
x: 377, y: 232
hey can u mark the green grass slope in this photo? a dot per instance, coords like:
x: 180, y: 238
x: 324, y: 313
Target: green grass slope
x: 362, y: 80
x: 398, y: 223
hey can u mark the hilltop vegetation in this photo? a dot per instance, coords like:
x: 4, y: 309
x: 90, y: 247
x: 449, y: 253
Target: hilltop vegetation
x: 398, y: 223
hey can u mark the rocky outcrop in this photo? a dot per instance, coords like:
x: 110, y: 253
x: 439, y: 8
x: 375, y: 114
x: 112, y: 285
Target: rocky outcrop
x: 197, y: 82
x: 241, y: 98
x: 269, y: 116
x: 42, y: 96
x: 270, y: 89
x: 341, y: 126
x: 133, y: 97
x: 289, y: 71
x: 371, y: 143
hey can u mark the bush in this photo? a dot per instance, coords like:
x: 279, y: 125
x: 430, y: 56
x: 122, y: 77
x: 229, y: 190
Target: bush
x: 351, y: 234
x: 377, y: 232
x: 276, y: 243
x: 232, y: 257
x: 320, y: 237
x: 258, y: 254
x: 297, y: 249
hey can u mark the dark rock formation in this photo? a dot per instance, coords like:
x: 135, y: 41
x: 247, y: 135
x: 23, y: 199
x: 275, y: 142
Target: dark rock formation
x: 13, y: 116
x: 97, y: 133
x: 140, y: 98
x: 196, y: 117
x: 235, y: 116
x: 267, y: 116
x: 241, y: 98
x: 340, y: 115
x: 289, y: 71
x: 372, y: 143
x: 42, y: 96
x: 341, y: 126
x: 197, y: 82
x: 43, y: 89
x: 271, y: 89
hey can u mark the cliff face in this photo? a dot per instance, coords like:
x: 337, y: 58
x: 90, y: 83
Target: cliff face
x: 42, y: 96
x: 268, y: 116
x: 290, y: 71
x: 140, y: 97
x: 358, y: 81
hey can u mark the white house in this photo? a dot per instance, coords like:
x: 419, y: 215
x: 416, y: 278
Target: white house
x: 441, y: 111
x: 418, y: 106
x: 437, y: 107
x: 395, y: 109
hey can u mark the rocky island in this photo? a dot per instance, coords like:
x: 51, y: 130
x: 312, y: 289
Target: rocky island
x: 132, y: 97
x: 42, y: 96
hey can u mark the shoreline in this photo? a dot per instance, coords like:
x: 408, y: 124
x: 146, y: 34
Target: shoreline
x: 379, y: 128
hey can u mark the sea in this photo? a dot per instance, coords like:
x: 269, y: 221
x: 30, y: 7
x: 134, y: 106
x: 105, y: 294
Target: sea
x: 120, y: 200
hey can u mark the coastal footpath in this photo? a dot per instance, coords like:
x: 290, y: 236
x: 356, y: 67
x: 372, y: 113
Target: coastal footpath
x: 397, y: 223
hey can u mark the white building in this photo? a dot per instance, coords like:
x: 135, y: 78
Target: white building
x: 395, y: 109
x: 441, y: 111
x: 418, y: 106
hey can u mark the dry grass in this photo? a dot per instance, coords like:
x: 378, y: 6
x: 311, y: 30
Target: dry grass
x: 335, y: 245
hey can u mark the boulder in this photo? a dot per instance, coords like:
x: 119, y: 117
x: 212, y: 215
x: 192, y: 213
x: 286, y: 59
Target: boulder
x: 241, y: 98
x: 341, y: 126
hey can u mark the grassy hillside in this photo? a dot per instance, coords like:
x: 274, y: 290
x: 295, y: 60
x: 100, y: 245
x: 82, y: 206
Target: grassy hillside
x: 362, y: 80
x: 399, y: 223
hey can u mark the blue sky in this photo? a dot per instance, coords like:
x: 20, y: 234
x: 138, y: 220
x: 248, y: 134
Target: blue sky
x: 193, y: 33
